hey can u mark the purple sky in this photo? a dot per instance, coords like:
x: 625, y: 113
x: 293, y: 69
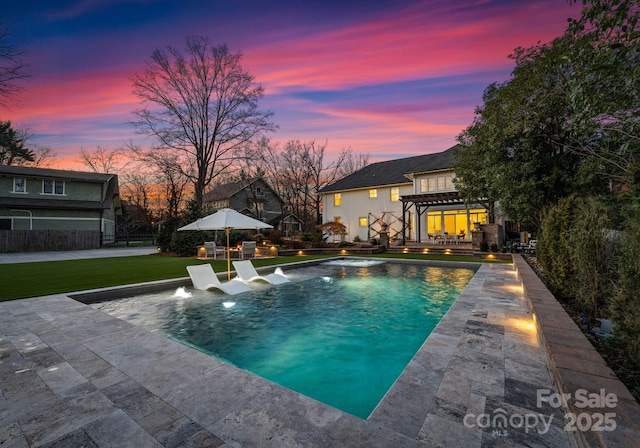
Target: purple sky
x: 387, y: 78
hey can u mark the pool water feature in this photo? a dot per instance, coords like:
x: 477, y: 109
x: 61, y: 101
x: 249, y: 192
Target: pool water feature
x: 338, y: 334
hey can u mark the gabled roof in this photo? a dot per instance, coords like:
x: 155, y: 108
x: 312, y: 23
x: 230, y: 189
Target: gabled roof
x: 393, y: 172
x: 226, y: 191
x: 13, y: 170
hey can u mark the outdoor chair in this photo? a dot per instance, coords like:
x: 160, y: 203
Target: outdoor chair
x: 212, y: 250
x: 247, y: 250
x: 531, y: 248
x: 204, y: 278
x: 247, y: 273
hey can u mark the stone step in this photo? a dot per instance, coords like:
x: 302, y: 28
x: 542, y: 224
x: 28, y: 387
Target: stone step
x: 431, y: 249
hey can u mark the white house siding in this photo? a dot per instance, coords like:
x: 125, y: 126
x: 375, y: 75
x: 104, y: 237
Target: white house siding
x: 356, y: 204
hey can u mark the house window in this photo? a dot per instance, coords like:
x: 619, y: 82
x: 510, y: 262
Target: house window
x: 337, y: 219
x: 448, y: 183
x: 363, y: 221
x: 434, y: 222
x: 52, y: 186
x: 395, y: 194
x: 259, y: 191
x: 428, y: 185
x: 445, y: 183
x: 478, y: 215
x: 337, y: 199
x: 373, y: 193
x: 19, y: 185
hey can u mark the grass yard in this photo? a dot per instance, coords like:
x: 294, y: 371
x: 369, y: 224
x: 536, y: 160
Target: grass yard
x: 21, y: 280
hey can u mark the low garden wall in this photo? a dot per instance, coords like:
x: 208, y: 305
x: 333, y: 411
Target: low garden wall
x: 611, y: 416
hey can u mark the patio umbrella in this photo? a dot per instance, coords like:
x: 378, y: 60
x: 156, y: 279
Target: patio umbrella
x: 226, y: 219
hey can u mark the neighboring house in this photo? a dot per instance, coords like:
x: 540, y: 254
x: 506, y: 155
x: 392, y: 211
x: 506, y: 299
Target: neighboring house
x: 48, y: 199
x: 253, y: 197
x: 409, y: 198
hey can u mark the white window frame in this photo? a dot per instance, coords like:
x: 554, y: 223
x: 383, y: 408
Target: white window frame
x: 54, y: 185
x: 24, y: 185
x: 394, y: 194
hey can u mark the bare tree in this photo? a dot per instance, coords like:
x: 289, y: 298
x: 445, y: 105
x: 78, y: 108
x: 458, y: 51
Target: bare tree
x: 44, y: 157
x: 103, y: 160
x: 167, y: 176
x: 12, y: 67
x: 297, y: 172
x: 352, y: 163
x: 201, y: 105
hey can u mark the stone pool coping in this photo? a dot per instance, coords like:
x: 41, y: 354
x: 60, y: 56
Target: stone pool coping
x: 577, y: 365
x: 70, y: 374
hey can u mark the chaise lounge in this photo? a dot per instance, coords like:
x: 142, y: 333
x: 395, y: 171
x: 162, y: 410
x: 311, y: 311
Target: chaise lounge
x: 247, y: 273
x: 204, y: 278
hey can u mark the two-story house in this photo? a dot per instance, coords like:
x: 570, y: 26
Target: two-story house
x: 409, y: 198
x: 48, y: 199
x: 253, y: 197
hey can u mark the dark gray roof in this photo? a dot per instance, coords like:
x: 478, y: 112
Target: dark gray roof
x: 54, y: 204
x: 13, y: 170
x: 225, y: 191
x: 393, y: 172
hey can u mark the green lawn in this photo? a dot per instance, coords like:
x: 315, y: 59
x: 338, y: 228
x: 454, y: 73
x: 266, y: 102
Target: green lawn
x: 21, y: 280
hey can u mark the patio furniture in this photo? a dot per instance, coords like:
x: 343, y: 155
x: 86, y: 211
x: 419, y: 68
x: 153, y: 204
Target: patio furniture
x: 204, y: 278
x: 530, y: 248
x: 212, y: 250
x: 247, y: 273
x: 247, y: 250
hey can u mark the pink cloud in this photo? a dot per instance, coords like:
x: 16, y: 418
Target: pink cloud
x: 410, y: 44
x: 424, y: 41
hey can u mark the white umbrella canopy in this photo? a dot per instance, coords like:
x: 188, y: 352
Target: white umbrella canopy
x: 226, y: 219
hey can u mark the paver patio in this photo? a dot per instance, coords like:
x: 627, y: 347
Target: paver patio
x: 71, y: 375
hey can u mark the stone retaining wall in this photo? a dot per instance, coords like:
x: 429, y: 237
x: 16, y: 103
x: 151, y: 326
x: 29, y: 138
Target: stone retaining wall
x: 576, y: 366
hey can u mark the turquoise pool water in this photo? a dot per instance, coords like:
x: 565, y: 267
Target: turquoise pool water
x: 338, y: 334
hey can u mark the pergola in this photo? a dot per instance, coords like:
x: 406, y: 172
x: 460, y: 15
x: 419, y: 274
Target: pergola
x: 422, y: 202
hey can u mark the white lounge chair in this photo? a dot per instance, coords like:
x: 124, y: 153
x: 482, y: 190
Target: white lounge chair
x: 203, y: 277
x: 247, y: 273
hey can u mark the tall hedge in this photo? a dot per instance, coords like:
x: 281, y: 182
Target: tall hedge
x: 625, y: 304
x: 553, y: 249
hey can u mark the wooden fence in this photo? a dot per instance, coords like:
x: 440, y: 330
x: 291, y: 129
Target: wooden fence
x: 48, y: 240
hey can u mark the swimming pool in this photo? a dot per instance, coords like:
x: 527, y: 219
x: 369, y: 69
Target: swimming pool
x: 338, y: 334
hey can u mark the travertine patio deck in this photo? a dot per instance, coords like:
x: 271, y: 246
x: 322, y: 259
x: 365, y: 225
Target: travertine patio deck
x: 71, y: 375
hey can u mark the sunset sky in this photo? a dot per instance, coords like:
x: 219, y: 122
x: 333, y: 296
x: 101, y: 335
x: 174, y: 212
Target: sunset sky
x: 390, y: 79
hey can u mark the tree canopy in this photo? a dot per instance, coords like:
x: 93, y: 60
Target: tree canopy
x: 565, y: 122
x: 13, y: 150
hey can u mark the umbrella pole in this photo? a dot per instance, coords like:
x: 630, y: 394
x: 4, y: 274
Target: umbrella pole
x: 228, y: 255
